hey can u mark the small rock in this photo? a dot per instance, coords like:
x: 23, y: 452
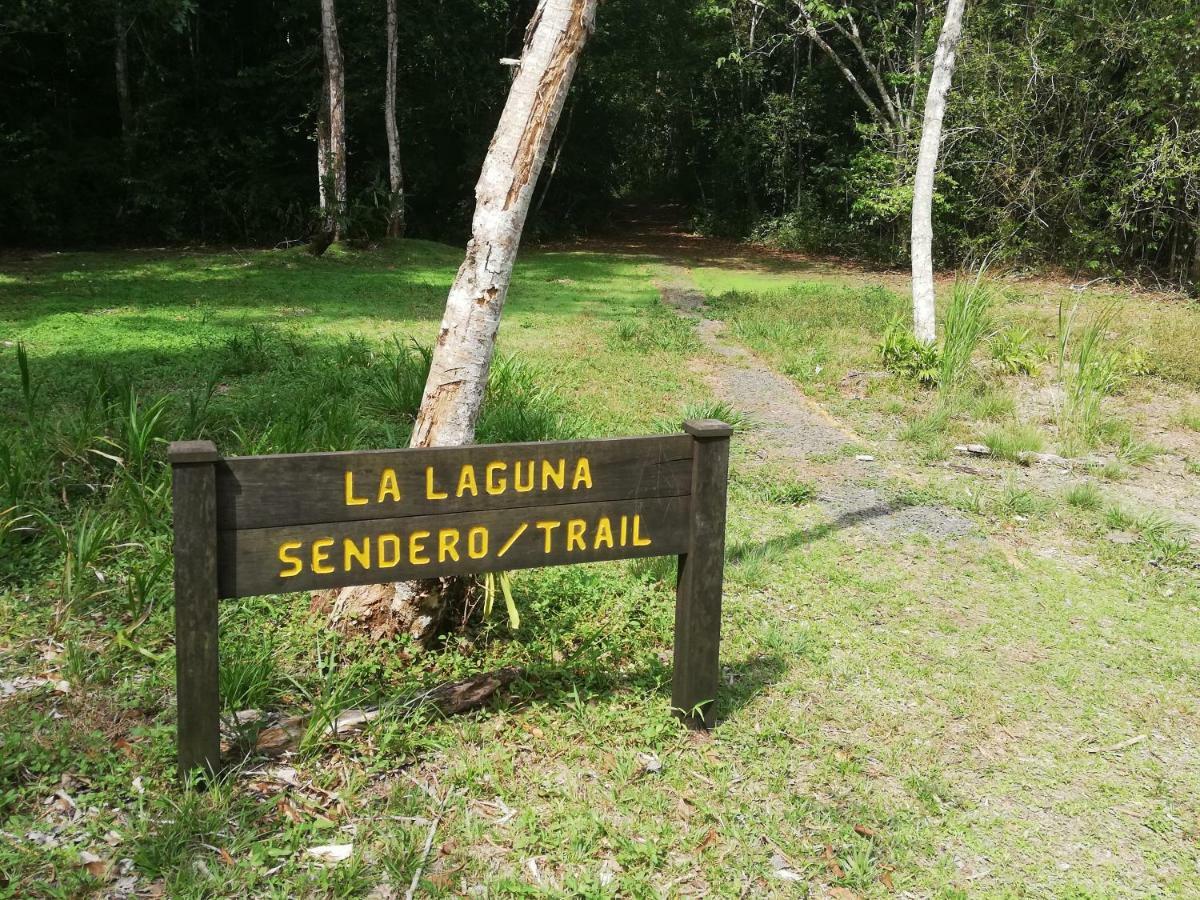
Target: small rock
x: 650, y: 762
x: 974, y: 449
x: 1123, y: 537
x: 865, y: 457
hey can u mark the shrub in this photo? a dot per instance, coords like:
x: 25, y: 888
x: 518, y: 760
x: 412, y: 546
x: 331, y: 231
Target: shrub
x: 904, y: 354
x: 1011, y: 350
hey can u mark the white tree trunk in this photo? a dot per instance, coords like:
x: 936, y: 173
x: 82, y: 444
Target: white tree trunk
x: 463, y: 354
x: 924, y: 321
x: 323, y: 172
x: 395, y: 173
x: 335, y: 79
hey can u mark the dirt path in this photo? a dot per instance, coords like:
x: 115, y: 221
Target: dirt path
x: 793, y: 433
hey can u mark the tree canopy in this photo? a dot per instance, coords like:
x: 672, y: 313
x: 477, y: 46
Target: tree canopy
x: 1072, y: 130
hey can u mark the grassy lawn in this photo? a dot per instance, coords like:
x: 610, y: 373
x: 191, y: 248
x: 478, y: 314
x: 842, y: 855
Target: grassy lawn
x: 1012, y: 712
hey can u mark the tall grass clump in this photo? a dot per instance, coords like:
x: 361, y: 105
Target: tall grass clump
x: 1089, y: 371
x: 965, y: 326
x: 947, y: 367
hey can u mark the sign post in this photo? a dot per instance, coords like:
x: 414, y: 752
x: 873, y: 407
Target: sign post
x: 247, y: 526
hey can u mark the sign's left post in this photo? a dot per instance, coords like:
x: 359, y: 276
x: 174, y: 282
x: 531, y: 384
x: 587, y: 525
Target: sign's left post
x: 197, y: 690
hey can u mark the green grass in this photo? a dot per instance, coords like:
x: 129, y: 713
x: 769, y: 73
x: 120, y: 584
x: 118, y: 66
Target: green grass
x: 1190, y: 418
x: 1013, y: 442
x: 1084, y: 495
x: 941, y: 712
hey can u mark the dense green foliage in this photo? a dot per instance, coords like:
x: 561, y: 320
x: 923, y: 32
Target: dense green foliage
x: 1073, y: 126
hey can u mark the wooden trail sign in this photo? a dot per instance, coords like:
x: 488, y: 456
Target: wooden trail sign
x: 254, y: 525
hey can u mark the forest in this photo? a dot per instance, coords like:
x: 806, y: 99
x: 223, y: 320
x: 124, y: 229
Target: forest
x: 1072, y: 131
x: 600, y: 448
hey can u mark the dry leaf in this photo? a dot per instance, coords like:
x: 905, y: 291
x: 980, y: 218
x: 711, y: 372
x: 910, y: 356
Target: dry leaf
x: 331, y: 854
x: 96, y: 867
x: 831, y: 862
x: 289, y: 811
x: 864, y: 831
x: 225, y: 857
x: 885, y: 878
x: 783, y: 869
x: 709, y: 839
x: 841, y: 893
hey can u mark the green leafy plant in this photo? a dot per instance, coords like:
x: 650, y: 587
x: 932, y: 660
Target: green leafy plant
x: 1012, y: 351
x: 29, y: 390
x: 502, y: 580
x: 902, y: 353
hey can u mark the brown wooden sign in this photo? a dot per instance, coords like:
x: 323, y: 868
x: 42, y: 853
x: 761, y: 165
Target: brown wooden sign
x: 246, y: 526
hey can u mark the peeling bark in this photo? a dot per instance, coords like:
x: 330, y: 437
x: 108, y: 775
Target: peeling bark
x: 462, y: 353
x: 924, y: 321
x: 454, y: 392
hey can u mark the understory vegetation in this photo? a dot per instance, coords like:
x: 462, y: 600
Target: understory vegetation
x: 1072, y: 130
x: 1007, y: 709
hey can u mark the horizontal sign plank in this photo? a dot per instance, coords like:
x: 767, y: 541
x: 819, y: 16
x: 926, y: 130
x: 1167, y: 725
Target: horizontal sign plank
x: 339, y: 554
x: 302, y: 489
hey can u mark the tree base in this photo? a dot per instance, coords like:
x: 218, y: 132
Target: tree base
x: 421, y: 609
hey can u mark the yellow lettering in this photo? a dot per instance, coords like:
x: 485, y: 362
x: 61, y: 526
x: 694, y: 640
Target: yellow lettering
x: 548, y: 528
x: 351, y: 551
x: 575, y: 529
x: 351, y: 500
x: 638, y: 540
x: 603, y: 533
x: 448, y: 544
x: 466, y: 481
x: 387, y: 551
x: 416, y: 548
x: 493, y: 484
x: 320, y: 554
x: 477, y: 542
x: 523, y: 487
x: 431, y: 492
x: 512, y: 540
x: 583, y: 474
x: 624, y: 530
x: 556, y: 472
x: 389, y: 487
x: 297, y: 565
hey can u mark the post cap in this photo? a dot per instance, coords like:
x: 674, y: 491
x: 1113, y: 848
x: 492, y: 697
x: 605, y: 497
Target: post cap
x: 707, y: 428
x: 182, y: 452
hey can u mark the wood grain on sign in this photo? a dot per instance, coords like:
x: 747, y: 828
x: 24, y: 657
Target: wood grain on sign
x: 339, y: 554
x: 248, y: 526
x: 303, y: 489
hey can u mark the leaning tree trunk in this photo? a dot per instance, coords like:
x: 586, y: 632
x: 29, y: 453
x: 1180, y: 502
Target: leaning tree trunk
x: 395, y: 173
x: 463, y: 352
x: 454, y: 392
x: 924, y: 321
x: 335, y: 80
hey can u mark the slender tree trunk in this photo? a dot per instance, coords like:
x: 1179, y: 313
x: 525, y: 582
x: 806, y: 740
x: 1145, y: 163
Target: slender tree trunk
x: 323, y: 171
x: 924, y: 321
x: 335, y: 80
x: 396, y: 209
x: 463, y: 354
x: 121, y: 65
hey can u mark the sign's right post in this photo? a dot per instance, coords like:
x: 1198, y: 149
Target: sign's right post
x: 701, y: 573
